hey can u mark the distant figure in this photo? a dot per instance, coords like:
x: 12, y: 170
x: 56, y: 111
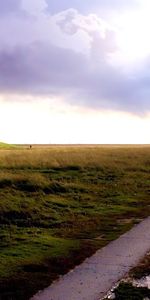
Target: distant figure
x: 30, y: 146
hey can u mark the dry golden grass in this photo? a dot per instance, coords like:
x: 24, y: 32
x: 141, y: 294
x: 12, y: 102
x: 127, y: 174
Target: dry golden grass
x: 82, y: 156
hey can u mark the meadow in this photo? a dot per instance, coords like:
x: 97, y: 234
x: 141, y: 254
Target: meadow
x: 59, y: 204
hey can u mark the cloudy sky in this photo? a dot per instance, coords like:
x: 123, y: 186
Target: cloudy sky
x: 75, y: 71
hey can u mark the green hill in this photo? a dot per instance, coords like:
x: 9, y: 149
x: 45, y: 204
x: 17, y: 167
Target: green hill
x: 6, y: 146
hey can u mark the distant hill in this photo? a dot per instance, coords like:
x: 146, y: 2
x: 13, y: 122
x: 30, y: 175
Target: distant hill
x: 6, y: 146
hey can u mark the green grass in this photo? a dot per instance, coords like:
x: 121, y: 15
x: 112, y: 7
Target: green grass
x: 142, y: 269
x: 60, y: 204
x: 126, y: 291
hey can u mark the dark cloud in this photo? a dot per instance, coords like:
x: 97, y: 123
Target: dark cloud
x: 46, y: 69
x: 39, y: 69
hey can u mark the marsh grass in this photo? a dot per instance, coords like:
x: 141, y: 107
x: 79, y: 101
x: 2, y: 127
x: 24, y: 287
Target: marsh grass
x: 59, y: 204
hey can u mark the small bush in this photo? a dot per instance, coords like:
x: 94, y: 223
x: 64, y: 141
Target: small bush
x: 126, y: 291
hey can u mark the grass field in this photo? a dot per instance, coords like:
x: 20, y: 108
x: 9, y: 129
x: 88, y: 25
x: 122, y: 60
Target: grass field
x: 59, y: 204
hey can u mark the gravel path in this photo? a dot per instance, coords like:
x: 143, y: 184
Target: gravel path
x: 97, y: 274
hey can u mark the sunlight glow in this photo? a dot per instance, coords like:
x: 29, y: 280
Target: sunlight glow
x: 45, y: 121
x: 133, y: 33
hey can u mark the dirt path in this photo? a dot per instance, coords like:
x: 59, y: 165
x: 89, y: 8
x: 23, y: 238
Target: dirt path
x: 97, y: 274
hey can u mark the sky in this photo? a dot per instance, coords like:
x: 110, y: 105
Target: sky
x: 75, y: 71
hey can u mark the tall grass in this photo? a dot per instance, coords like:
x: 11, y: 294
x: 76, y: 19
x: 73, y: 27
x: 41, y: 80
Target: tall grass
x: 89, y: 156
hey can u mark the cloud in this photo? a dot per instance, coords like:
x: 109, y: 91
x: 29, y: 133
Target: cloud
x: 39, y: 68
x: 70, y: 21
x: 49, y: 70
x: 69, y: 54
x: 34, y: 7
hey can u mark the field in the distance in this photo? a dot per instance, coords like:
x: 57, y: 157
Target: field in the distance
x: 58, y: 204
